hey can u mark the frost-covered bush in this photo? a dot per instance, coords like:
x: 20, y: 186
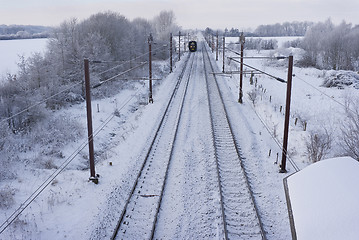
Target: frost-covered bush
x: 41, y: 147
x: 49, y: 82
x: 293, y: 44
x: 6, y: 197
x: 6, y: 152
x: 53, y: 134
x: 253, y: 95
x: 261, y: 44
x: 318, y: 145
x: 350, y: 129
x: 340, y: 79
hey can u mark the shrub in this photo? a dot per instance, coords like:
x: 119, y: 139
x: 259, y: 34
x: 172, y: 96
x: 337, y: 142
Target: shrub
x: 7, y: 197
x: 318, y: 145
x: 350, y: 130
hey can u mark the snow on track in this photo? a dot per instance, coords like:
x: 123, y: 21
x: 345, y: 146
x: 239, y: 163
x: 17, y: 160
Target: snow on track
x: 190, y: 207
x: 239, y: 212
x: 140, y: 216
x: 203, y: 198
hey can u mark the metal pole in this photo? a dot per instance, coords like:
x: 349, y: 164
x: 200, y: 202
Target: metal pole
x: 224, y: 49
x: 287, y: 112
x: 93, y: 176
x: 242, y: 40
x: 188, y: 39
x: 184, y: 43
x: 217, y: 47
x: 212, y: 45
x: 179, y: 45
x: 171, y: 52
x: 150, y: 39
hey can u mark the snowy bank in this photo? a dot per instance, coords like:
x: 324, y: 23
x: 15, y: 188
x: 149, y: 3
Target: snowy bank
x: 323, y: 200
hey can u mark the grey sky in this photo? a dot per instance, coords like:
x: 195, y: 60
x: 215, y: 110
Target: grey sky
x: 216, y: 14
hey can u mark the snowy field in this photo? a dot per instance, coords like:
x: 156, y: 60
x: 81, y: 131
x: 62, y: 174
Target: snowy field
x: 11, y: 50
x: 71, y: 200
x: 333, y: 196
x: 281, y: 40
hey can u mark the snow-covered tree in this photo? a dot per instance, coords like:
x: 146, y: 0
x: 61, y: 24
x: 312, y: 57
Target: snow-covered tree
x: 164, y: 24
x: 331, y: 47
x: 350, y: 129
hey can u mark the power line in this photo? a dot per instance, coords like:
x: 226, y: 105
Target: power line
x: 122, y: 62
x: 256, y: 57
x: 38, y: 103
x: 322, y: 92
x: 270, y: 75
x: 66, y: 89
x: 120, y: 74
x: 62, y: 167
x: 295, y: 166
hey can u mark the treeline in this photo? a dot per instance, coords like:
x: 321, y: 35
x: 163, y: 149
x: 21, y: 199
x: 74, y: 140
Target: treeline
x: 233, y: 32
x: 331, y: 47
x: 8, y: 32
x: 274, y: 30
x: 284, y: 29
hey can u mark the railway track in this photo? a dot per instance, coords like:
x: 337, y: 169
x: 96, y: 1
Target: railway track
x: 139, y: 217
x: 240, y: 215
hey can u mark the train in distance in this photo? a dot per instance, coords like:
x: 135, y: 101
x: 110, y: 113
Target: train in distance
x: 192, y: 45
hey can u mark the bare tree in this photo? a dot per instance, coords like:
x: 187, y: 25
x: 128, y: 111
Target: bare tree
x: 164, y: 24
x: 350, y: 129
x: 253, y: 95
x: 319, y: 145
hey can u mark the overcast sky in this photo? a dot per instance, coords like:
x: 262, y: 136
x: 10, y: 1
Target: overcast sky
x: 217, y: 14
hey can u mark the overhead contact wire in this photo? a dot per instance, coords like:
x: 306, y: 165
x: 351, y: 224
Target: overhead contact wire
x: 62, y: 167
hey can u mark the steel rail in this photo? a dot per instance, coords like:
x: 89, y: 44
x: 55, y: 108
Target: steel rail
x: 223, y: 215
x: 122, y: 215
x: 172, y: 149
x: 236, y: 145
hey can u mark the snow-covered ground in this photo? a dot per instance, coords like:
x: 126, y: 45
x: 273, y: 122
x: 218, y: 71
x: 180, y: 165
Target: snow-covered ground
x: 280, y: 40
x: 72, y: 207
x: 324, y: 200
x: 11, y: 50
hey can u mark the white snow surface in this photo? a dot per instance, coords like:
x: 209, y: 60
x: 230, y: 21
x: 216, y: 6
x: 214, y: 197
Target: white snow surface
x: 281, y: 40
x: 11, y: 50
x: 74, y: 208
x: 324, y: 198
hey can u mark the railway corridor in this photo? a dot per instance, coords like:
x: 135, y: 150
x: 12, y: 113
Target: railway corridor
x: 192, y: 185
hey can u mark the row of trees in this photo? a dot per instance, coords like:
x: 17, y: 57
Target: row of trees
x: 104, y: 36
x: 332, y: 47
x: 273, y: 30
x: 285, y: 29
x: 326, y: 46
x: 23, y: 32
x: 108, y: 37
